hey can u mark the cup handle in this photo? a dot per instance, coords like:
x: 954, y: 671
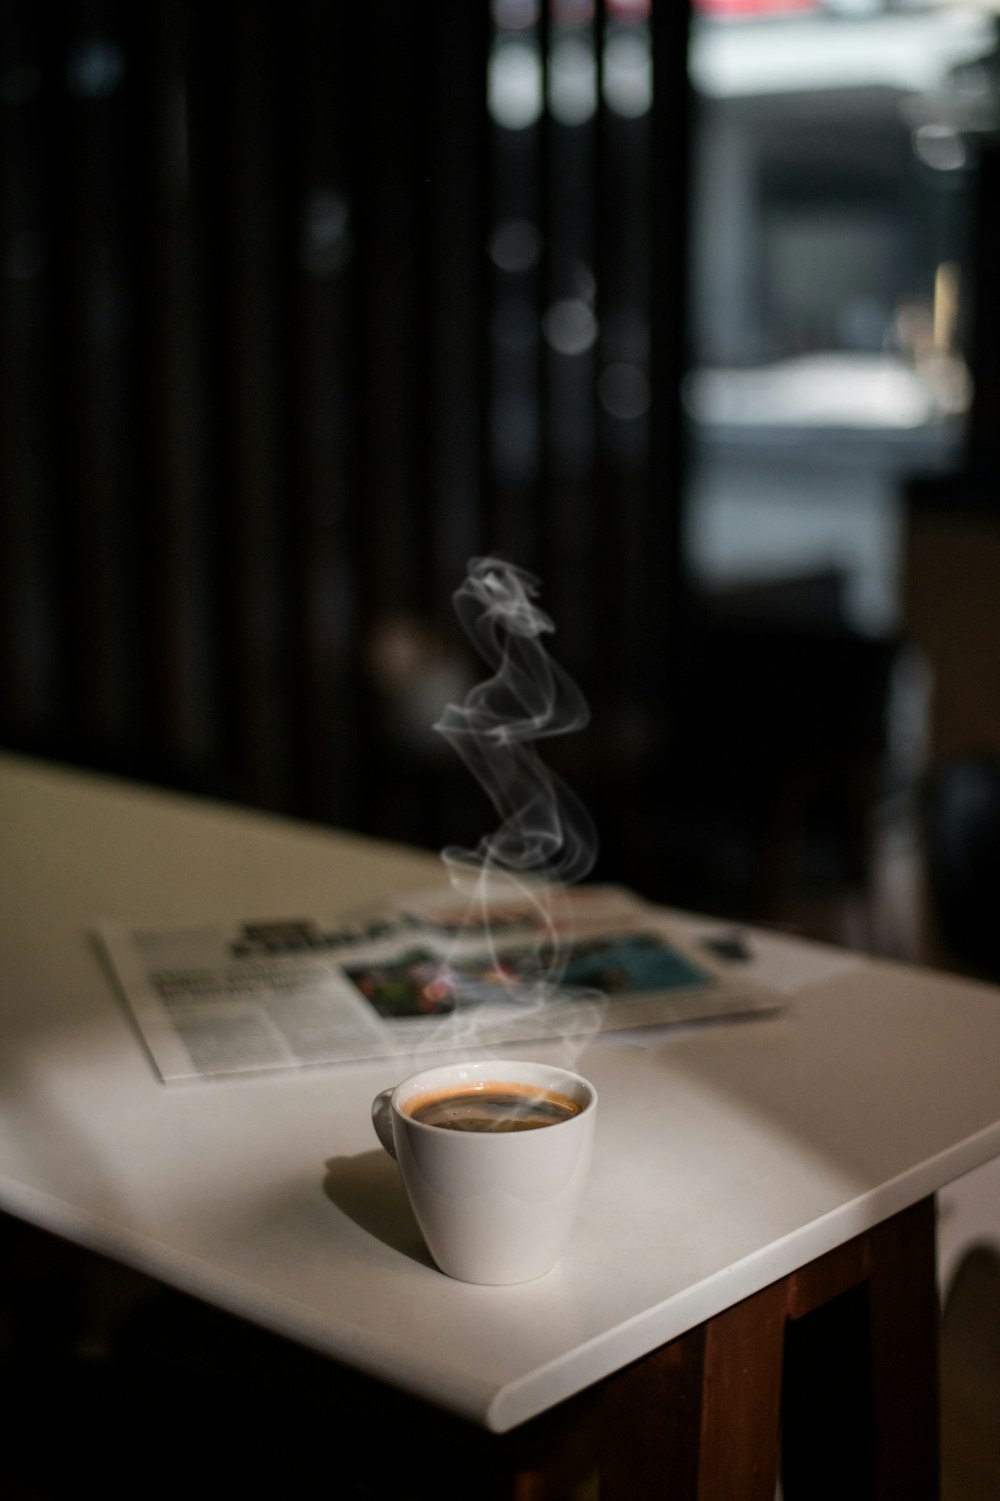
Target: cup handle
x: 382, y: 1120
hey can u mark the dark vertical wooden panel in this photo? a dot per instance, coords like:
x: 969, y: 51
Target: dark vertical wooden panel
x: 609, y: 502
x: 659, y: 571
x: 31, y: 663
x: 512, y: 320
x: 178, y: 477
x: 631, y: 185
x: 208, y: 83
x: 241, y: 63
x: 569, y: 322
x: 256, y: 547
x: 105, y: 581
x: 536, y: 539
x: 458, y: 236
x: 275, y: 393
x: 326, y: 667
x: 386, y: 96
x: 389, y: 99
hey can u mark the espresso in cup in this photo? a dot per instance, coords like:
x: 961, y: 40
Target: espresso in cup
x: 495, y: 1196
x: 492, y: 1107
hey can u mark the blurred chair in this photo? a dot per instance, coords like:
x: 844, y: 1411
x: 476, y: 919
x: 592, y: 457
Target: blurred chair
x: 960, y: 829
x: 776, y: 728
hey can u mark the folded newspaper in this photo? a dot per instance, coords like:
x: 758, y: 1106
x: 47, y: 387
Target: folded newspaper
x: 422, y: 975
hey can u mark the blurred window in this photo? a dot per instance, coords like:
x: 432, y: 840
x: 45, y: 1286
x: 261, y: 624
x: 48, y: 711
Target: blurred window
x: 834, y: 160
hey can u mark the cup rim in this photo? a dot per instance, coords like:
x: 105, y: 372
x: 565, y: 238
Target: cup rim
x: 494, y: 1066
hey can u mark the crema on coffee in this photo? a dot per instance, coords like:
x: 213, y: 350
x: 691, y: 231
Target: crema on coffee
x: 491, y: 1107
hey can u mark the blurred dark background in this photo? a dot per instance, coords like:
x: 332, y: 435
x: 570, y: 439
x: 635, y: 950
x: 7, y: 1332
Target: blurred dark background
x: 687, y: 311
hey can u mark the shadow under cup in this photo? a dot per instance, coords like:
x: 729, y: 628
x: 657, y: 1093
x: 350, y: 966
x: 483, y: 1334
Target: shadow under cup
x: 494, y: 1207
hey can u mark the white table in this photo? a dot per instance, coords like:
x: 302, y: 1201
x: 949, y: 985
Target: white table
x: 728, y: 1158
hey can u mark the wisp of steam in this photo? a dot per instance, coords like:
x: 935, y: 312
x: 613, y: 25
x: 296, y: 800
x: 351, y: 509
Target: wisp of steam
x: 545, y: 839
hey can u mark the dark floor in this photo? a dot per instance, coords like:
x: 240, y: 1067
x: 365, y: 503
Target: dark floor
x: 970, y: 1382
x: 196, y: 1405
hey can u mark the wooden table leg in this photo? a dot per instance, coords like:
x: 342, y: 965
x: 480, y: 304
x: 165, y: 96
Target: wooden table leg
x: 836, y: 1363
x: 741, y: 1400
x: 861, y: 1413
x: 905, y: 1353
x: 649, y: 1424
x: 699, y: 1420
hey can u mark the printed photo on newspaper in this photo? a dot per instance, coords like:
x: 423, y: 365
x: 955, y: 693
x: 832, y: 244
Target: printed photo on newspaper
x: 427, y: 974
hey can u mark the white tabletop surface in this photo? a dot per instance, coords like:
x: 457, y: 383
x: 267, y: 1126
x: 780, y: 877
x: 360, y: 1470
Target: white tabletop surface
x: 726, y: 1156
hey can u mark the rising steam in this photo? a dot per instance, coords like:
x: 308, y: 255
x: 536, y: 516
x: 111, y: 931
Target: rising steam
x: 546, y: 838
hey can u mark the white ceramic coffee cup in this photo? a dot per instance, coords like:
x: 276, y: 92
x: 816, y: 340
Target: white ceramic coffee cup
x: 493, y: 1207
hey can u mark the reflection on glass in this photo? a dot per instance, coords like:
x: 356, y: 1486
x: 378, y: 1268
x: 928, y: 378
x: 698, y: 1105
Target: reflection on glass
x: 572, y: 79
x: 514, y: 83
x: 628, y: 72
x: 328, y: 244
x: 96, y: 69
x: 941, y: 147
x: 570, y: 326
x: 516, y: 245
